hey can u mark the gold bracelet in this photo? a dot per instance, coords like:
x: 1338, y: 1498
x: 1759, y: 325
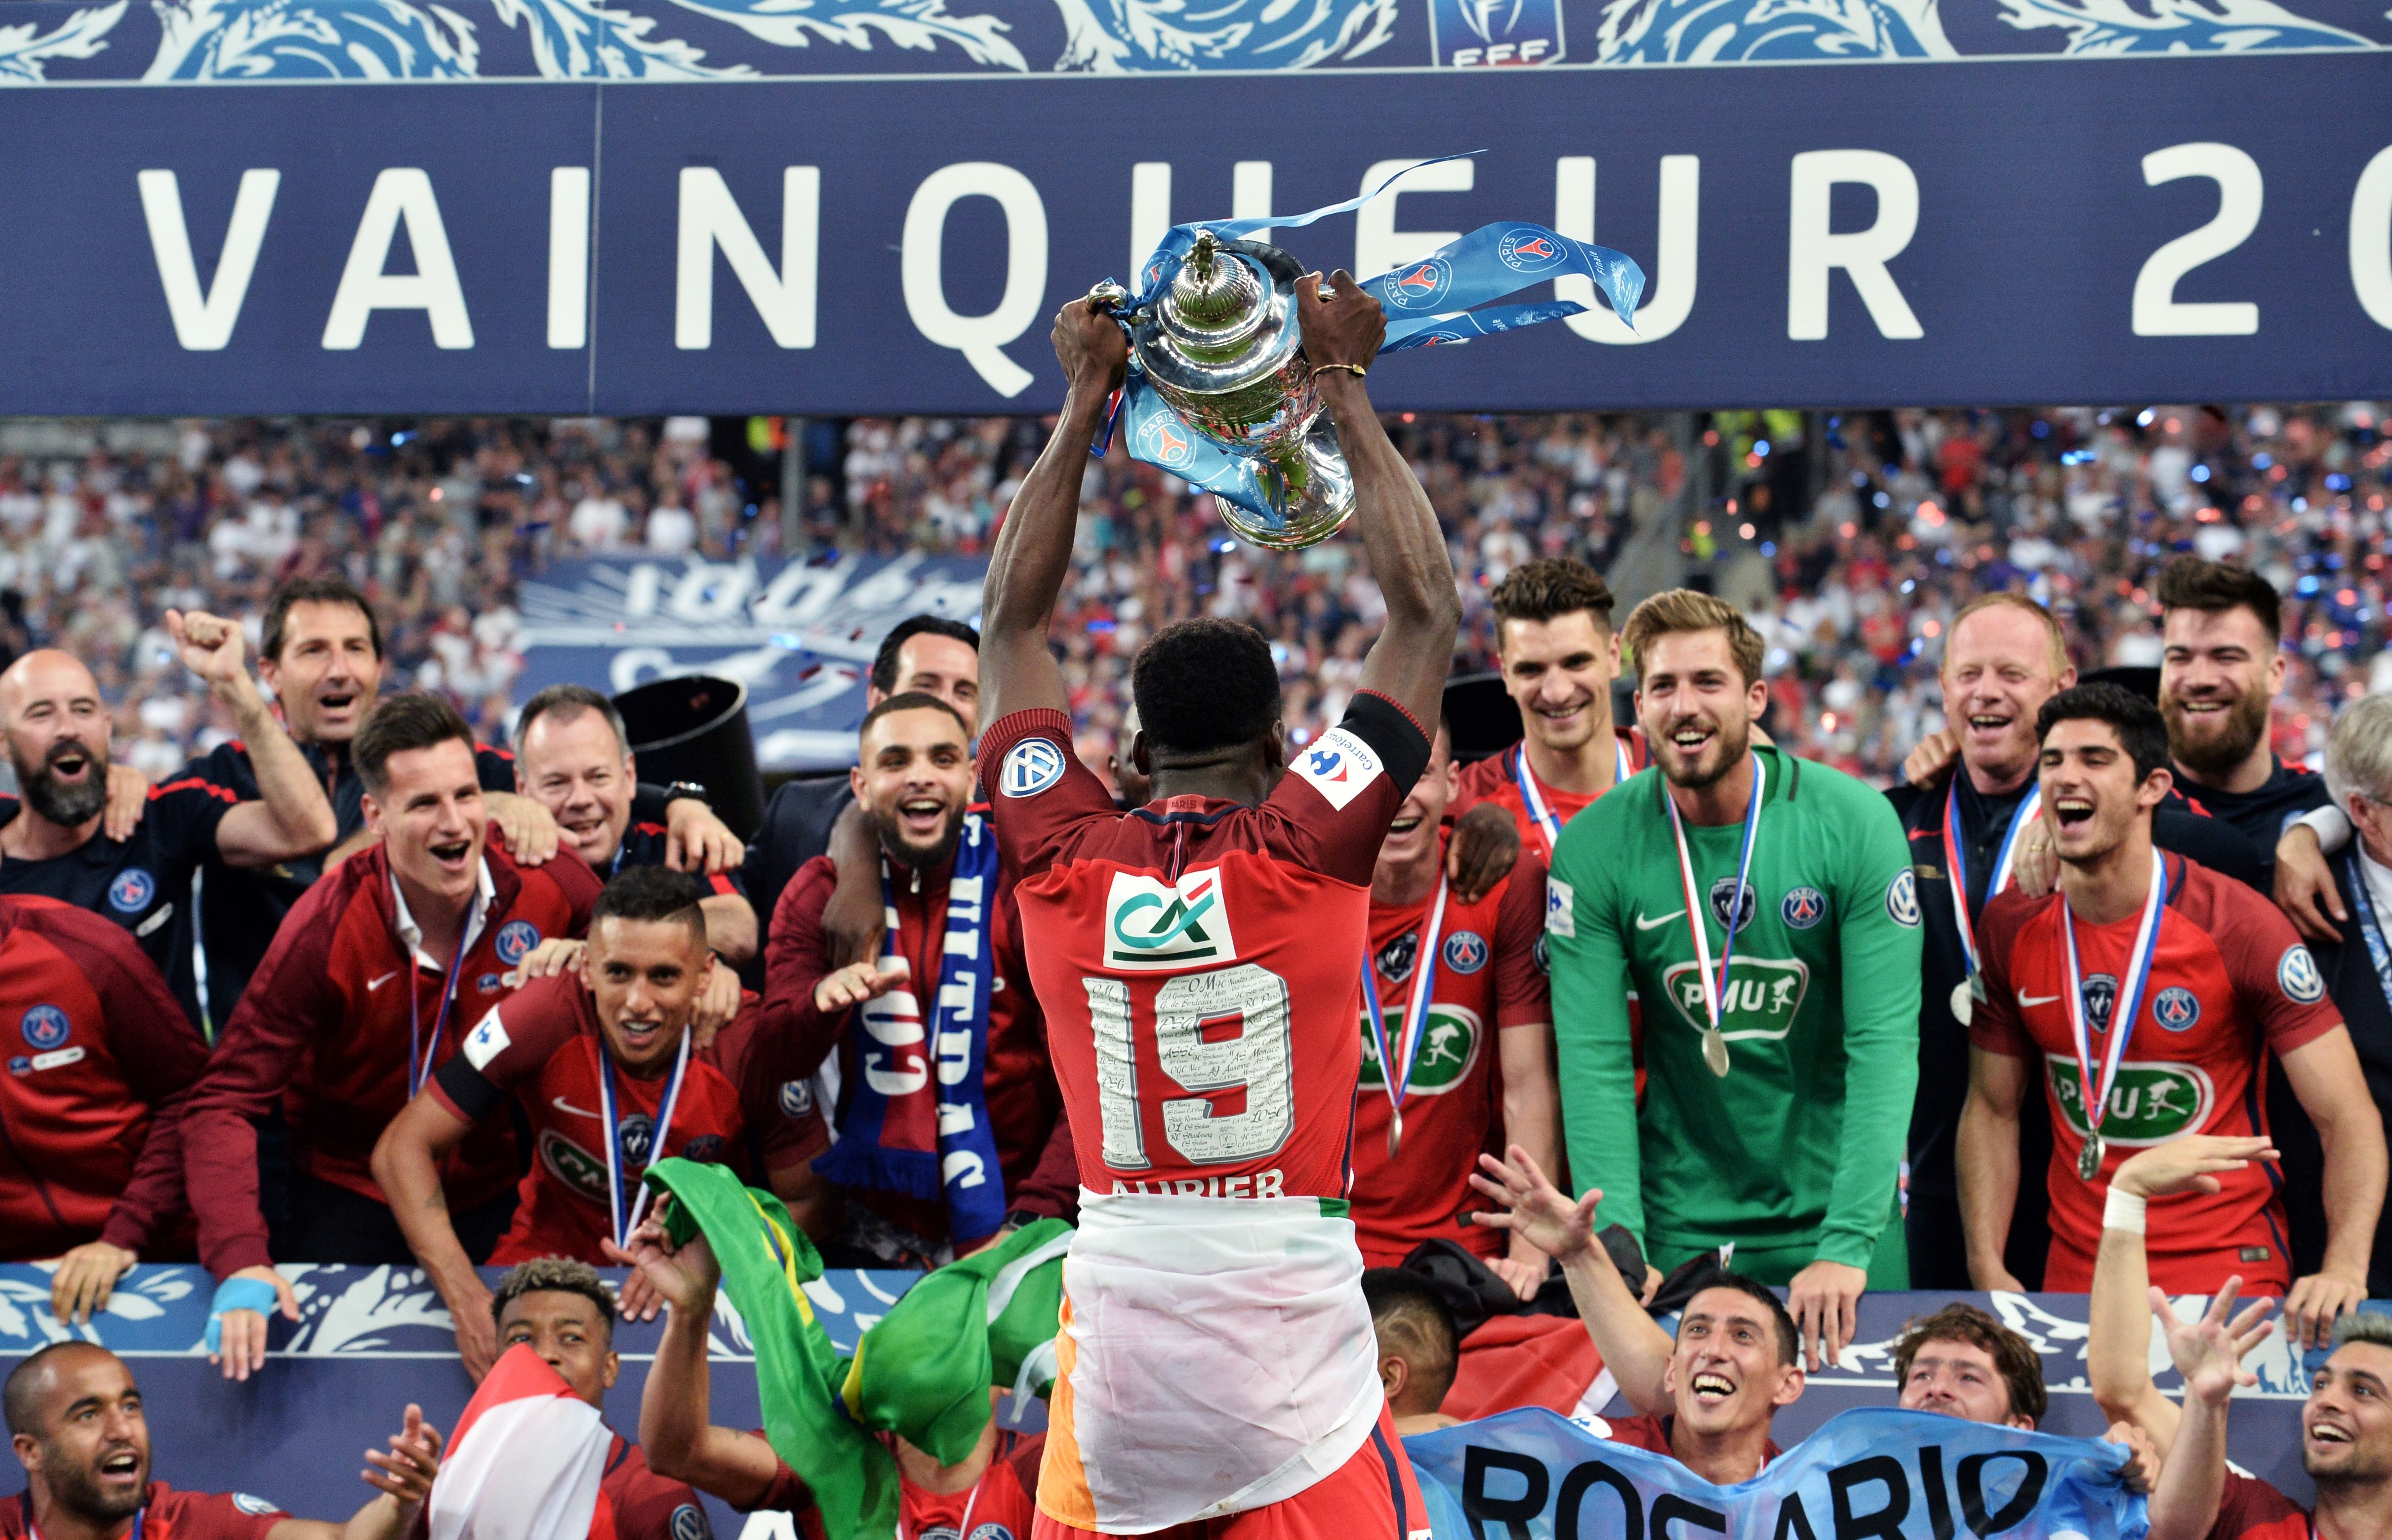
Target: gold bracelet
x: 1354, y: 369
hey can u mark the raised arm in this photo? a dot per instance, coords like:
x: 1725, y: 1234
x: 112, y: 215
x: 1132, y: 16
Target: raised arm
x: 1033, y: 549
x: 1409, y: 560
x: 292, y: 816
x: 676, y: 1429
x: 2208, y: 1354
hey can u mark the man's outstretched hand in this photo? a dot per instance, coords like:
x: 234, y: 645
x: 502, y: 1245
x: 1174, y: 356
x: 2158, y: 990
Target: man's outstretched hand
x: 1092, y: 348
x: 1345, y: 329
x: 1532, y: 1208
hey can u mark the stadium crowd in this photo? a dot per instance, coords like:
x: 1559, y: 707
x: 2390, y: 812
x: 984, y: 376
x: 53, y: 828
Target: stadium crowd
x: 1869, y: 765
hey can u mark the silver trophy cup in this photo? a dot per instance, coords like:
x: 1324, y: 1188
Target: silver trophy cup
x: 1221, y: 345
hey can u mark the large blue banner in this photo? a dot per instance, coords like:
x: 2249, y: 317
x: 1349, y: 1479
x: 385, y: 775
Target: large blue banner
x: 799, y: 634
x: 1970, y: 231
x: 1880, y: 1474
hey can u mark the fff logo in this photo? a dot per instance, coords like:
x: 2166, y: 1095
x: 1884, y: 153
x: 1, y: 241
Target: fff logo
x: 1474, y: 33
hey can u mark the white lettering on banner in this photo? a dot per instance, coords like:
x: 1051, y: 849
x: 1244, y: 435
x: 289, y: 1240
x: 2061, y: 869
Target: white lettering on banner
x: 2241, y: 191
x: 1813, y: 249
x: 1250, y: 195
x: 710, y: 217
x: 2371, y: 239
x: 1672, y: 298
x: 568, y: 257
x: 399, y: 193
x: 203, y: 323
x: 1379, y: 247
x: 981, y: 339
x: 1503, y: 53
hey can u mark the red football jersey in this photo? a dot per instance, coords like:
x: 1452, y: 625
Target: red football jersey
x: 1002, y: 1505
x: 2250, y: 1510
x: 97, y: 1047
x: 1199, y: 961
x: 167, y: 1514
x: 1496, y: 778
x: 542, y: 1044
x: 2230, y: 980
x: 1488, y: 980
x: 634, y: 1503
x: 324, y: 1030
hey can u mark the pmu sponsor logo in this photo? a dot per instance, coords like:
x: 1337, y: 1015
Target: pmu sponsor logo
x: 1760, y: 999
x: 570, y: 1164
x: 1151, y: 925
x: 2152, y: 1100
x: 1420, y: 284
x: 1449, y: 1043
x: 1466, y: 34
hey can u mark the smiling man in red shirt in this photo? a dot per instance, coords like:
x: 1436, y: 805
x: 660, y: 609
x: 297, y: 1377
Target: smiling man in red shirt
x: 370, y: 986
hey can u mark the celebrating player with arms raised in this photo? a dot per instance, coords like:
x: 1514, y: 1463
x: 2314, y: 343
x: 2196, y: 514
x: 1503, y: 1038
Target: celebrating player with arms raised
x: 1197, y: 960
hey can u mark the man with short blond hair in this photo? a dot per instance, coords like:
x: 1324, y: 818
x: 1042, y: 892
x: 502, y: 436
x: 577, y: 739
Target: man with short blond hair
x: 1764, y: 909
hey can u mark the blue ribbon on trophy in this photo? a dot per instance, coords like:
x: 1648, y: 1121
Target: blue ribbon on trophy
x: 1217, y: 393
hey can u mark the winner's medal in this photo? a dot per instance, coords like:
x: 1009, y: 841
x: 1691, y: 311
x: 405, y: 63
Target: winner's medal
x: 1965, y: 994
x: 1415, y: 1023
x: 1532, y: 796
x: 2122, y: 1014
x: 1715, y: 985
x: 626, y: 1197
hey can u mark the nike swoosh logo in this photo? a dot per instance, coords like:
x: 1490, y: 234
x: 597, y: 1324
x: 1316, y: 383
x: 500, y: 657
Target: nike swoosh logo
x: 1645, y: 924
x: 373, y: 984
x: 2038, y: 1000
x: 561, y: 1105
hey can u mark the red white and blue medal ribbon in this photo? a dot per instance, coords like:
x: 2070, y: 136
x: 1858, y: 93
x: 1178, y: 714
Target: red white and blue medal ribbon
x: 1533, y: 797
x: 1415, y: 1023
x: 1715, y: 983
x: 2121, y: 1012
x: 623, y: 1209
x: 1956, y: 867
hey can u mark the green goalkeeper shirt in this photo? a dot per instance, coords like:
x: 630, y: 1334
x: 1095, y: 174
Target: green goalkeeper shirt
x: 1800, y: 1145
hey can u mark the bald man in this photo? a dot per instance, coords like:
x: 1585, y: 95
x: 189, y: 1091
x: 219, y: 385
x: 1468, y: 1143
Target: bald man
x: 58, y: 729
x: 74, y: 1417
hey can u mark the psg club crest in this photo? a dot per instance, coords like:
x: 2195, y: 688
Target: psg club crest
x: 132, y: 891
x: 44, y: 1028
x: 1726, y: 891
x: 2175, y: 1008
x: 1395, y: 959
x: 705, y: 1148
x: 1804, y: 908
x: 1466, y: 34
x: 2100, y: 998
x: 1465, y: 951
x: 516, y: 938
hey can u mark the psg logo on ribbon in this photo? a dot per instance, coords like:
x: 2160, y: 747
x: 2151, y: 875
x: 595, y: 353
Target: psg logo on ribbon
x: 1804, y: 908
x: 1528, y: 249
x: 1465, y: 951
x: 44, y: 1028
x: 1421, y: 285
x: 1395, y: 959
x: 1031, y: 767
x: 2175, y: 1008
x: 1727, y: 891
x: 1164, y: 442
x: 516, y: 938
x: 132, y: 891
x: 2100, y: 998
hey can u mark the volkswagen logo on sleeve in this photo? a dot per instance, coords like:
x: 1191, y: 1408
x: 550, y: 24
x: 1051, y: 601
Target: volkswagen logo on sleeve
x: 1031, y: 767
x: 2298, y: 974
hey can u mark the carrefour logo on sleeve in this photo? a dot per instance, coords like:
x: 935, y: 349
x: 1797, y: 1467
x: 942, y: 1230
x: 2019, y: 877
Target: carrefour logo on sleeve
x: 44, y: 1028
x: 516, y: 938
x: 1031, y: 767
x: 2297, y: 973
x: 132, y: 891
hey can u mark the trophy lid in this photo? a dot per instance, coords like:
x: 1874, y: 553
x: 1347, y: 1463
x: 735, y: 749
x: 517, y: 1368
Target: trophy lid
x: 1216, y: 300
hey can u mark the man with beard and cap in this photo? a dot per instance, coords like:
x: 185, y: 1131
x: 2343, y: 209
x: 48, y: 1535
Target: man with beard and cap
x: 76, y: 1417
x: 1971, y: 813
x: 950, y: 989
x: 1706, y: 1399
x: 371, y: 985
x: 2143, y: 996
x: 1763, y: 909
x: 58, y: 731
x: 321, y: 655
x: 2346, y: 1422
x: 603, y: 1064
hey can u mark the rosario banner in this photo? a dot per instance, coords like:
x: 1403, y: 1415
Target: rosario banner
x: 1867, y: 1475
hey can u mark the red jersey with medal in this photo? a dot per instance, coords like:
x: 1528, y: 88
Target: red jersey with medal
x: 2229, y: 980
x: 1486, y: 978
x: 1504, y: 780
x: 542, y: 1045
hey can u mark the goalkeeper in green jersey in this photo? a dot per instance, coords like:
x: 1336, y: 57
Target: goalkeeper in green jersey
x: 1761, y: 907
